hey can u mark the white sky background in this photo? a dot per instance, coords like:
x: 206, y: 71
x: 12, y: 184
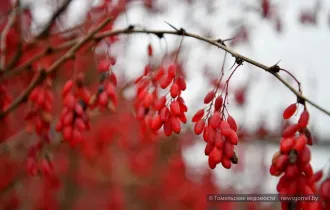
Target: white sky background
x: 302, y: 49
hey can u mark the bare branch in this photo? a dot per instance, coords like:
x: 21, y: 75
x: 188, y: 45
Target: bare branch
x: 57, y: 13
x: 3, y: 47
x: 160, y: 33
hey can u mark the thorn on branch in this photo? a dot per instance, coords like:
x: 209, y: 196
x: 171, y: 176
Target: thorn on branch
x: 49, y: 50
x: 159, y: 35
x: 130, y: 27
x: 220, y: 41
x: 181, y: 29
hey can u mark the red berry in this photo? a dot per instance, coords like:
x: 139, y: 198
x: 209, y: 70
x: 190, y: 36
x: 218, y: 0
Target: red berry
x: 174, y: 90
x: 290, y: 130
x: 209, y: 97
x: 198, y: 116
x: 226, y: 163
x: 300, y: 143
x: 218, y: 103
x: 289, y: 111
x: 216, y: 155
x: 104, y: 66
x: 199, y: 127
x: 181, y: 83
x: 232, y: 123
x: 175, y: 108
x: 303, y: 120
x: 156, y: 123
x: 165, y: 82
x: 172, y: 70
x: 160, y: 103
x: 287, y: 144
x: 215, y: 120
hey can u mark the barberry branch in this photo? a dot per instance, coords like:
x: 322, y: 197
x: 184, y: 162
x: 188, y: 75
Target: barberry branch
x: 131, y: 30
x: 56, y: 14
x: 3, y: 47
x: 44, y: 73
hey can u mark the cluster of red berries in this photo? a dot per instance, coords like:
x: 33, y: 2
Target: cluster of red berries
x: 167, y: 111
x: 161, y: 111
x: 39, y: 114
x: 218, y: 132
x: 293, y: 160
x: 74, y: 119
x: 106, y: 97
x: 35, y: 167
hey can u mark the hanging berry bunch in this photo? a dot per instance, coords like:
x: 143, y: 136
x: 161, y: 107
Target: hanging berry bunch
x: 293, y: 161
x: 106, y: 96
x: 39, y: 115
x: 167, y: 111
x: 74, y: 118
x: 218, y: 127
x: 36, y: 164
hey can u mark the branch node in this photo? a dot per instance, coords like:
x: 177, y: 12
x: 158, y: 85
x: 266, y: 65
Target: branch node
x: 182, y: 31
x: 220, y: 41
x: 301, y: 100
x: 159, y: 35
x: 49, y: 50
x: 274, y: 69
x: 130, y: 27
x: 238, y: 60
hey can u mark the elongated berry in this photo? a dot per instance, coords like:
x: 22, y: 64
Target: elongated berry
x: 174, y: 90
x: 226, y: 163
x: 290, y: 130
x: 209, y: 97
x: 219, y: 142
x: 216, y: 155
x: 176, y: 126
x: 215, y: 120
x: 168, y: 128
x: 300, y: 143
x: 211, y: 163
x: 287, y: 144
x: 160, y: 103
x: 199, y: 127
x: 175, y: 108
x: 172, y: 70
x: 165, y: 81
x: 233, y: 137
x: 289, y: 111
x: 303, y: 120
x: 218, y: 103
x: 198, y: 115
x: 281, y: 162
x: 181, y: 83
x: 156, y: 123
x: 208, y: 149
x: 232, y: 123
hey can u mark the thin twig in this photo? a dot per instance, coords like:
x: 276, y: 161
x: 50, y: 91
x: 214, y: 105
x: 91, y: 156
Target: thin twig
x: 160, y: 33
x: 3, y: 47
x: 56, y: 14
